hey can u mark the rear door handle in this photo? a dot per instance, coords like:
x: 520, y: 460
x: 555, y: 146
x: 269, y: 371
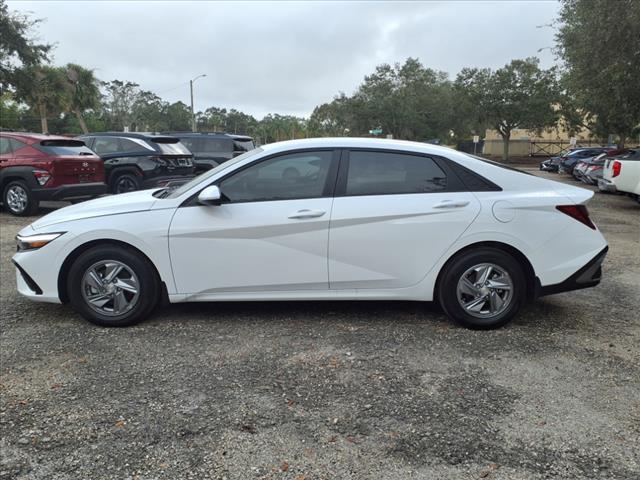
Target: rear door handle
x: 302, y: 214
x: 451, y: 204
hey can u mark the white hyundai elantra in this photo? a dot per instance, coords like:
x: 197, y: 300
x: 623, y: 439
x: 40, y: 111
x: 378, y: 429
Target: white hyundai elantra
x: 321, y: 219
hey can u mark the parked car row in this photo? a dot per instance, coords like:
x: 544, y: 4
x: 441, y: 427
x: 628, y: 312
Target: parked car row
x: 611, y: 169
x: 36, y: 167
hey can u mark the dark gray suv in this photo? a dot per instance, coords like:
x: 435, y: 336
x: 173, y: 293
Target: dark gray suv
x: 212, y: 149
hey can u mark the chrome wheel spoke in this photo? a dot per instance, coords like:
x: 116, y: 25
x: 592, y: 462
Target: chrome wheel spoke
x: 476, y: 305
x: 119, y: 302
x: 484, y: 274
x: 500, y: 283
x: 469, y: 288
x: 129, y: 284
x: 94, y: 280
x: 495, y: 302
x: 111, y: 271
x: 100, y: 300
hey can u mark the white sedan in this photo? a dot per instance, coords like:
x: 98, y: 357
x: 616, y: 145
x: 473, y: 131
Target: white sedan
x: 321, y: 219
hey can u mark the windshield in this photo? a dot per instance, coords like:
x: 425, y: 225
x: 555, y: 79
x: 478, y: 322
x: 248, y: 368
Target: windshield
x: 209, y: 173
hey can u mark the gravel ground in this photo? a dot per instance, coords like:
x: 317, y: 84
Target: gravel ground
x: 329, y: 390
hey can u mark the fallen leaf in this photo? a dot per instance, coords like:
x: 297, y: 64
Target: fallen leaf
x: 120, y: 423
x: 284, y: 467
x: 248, y: 428
x: 56, y: 385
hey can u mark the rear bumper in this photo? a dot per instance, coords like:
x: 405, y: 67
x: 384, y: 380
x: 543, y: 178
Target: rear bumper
x: 606, y: 185
x: 588, y: 276
x: 65, y: 192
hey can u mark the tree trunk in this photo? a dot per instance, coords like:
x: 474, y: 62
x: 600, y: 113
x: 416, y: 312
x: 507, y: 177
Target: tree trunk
x: 621, y: 141
x: 81, y: 121
x: 505, y: 145
x: 43, y: 118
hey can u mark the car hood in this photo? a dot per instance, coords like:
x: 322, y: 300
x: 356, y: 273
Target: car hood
x: 110, y: 205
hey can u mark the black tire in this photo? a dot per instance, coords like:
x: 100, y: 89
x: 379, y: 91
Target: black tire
x: 125, y: 182
x: 19, y: 187
x: 456, y: 268
x: 148, y: 285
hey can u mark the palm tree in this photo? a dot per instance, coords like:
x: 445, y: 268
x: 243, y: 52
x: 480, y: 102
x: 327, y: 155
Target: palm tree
x: 84, y: 93
x: 42, y: 88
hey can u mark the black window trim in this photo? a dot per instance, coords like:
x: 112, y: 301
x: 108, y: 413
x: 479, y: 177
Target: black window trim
x: 329, y: 186
x: 454, y: 184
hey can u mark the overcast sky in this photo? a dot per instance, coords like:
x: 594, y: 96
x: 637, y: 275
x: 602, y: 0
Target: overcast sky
x: 284, y: 57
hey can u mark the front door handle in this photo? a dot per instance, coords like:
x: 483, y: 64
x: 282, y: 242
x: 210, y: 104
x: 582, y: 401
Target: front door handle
x: 451, y: 204
x: 301, y: 214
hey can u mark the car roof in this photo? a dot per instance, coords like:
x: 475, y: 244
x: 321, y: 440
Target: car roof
x: 209, y: 134
x: 140, y: 135
x: 357, y: 142
x: 33, y: 137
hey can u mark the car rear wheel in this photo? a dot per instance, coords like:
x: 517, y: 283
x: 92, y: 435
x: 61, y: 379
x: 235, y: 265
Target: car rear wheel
x: 482, y: 288
x: 19, y: 200
x: 113, y: 286
x: 125, y: 182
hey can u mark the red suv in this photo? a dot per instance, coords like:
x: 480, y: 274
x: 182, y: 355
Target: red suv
x: 35, y: 167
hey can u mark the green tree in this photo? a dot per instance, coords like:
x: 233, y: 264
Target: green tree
x: 599, y: 42
x: 84, y: 92
x: 118, y: 102
x: 44, y: 89
x: 17, y: 48
x: 519, y: 95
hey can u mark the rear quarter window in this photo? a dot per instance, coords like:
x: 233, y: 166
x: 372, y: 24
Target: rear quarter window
x: 384, y: 173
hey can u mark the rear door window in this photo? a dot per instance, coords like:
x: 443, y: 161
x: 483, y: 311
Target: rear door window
x: 216, y: 145
x: 384, y: 173
x: 106, y: 145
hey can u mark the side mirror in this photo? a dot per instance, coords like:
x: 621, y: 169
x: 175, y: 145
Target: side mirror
x: 210, y: 196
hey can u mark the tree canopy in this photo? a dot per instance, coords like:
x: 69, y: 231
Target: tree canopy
x: 599, y: 43
x: 17, y: 47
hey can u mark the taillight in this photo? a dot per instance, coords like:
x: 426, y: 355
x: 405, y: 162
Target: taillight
x: 42, y: 176
x: 577, y: 212
x: 617, y: 166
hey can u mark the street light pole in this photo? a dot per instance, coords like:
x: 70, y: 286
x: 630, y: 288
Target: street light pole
x: 193, y: 114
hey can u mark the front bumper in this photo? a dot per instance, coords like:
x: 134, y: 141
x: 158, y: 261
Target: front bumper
x: 588, y: 276
x: 73, y: 191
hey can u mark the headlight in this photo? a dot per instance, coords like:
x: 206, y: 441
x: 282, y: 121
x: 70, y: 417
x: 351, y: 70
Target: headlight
x: 33, y: 242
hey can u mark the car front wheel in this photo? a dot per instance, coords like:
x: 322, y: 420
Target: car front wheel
x: 113, y: 286
x: 482, y: 289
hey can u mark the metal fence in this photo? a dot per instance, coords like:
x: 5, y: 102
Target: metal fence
x: 553, y: 148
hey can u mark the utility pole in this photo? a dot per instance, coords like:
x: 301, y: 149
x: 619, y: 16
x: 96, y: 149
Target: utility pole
x: 193, y: 114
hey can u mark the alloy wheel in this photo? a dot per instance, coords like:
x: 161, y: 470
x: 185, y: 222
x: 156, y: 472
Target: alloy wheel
x: 17, y: 199
x: 485, y: 290
x: 125, y: 184
x: 110, y: 288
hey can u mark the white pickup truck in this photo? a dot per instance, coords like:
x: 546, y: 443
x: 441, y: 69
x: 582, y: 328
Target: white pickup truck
x: 622, y: 174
